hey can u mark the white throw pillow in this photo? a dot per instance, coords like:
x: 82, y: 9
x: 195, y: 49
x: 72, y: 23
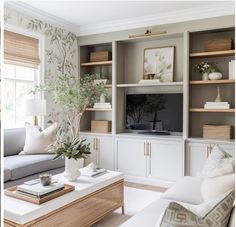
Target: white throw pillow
x: 218, y: 163
x: 37, y: 142
x: 217, y: 186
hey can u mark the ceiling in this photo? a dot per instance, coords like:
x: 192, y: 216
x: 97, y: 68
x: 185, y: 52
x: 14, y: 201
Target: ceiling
x: 92, y: 14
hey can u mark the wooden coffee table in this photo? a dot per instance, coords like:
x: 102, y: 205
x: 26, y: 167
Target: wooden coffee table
x: 93, y: 199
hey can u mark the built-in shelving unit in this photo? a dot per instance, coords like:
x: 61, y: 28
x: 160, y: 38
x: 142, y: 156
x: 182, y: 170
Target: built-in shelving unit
x: 102, y: 68
x: 213, y: 54
x: 207, y: 82
x: 212, y: 110
x: 101, y: 63
x: 206, y: 90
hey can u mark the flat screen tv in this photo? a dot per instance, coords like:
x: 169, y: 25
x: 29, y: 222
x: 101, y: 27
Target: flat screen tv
x: 154, y: 112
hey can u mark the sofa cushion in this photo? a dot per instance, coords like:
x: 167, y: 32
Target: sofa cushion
x: 7, y: 174
x: 218, y: 163
x: 186, y: 190
x: 232, y: 219
x: 149, y: 216
x: 214, y: 213
x: 214, y: 187
x: 36, y: 141
x: 26, y: 165
x: 14, y: 140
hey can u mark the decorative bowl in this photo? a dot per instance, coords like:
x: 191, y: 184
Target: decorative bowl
x: 215, y: 76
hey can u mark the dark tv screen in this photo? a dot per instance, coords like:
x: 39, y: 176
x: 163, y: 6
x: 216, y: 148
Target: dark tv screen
x: 160, y: 112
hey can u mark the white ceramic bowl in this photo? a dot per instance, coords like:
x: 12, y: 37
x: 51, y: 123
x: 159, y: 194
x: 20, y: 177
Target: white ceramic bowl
x: 215, y: 76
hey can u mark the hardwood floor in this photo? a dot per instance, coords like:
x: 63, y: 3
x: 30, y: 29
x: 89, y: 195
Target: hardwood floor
x: 145, y: 187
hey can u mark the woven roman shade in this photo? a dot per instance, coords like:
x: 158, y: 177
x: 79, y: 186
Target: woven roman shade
x: 21, y: 50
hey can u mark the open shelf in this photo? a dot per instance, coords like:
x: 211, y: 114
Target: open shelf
x: 202, y: 110
x: 199, y: 82
x: 213, y: 54
x: 98, y: 109
x: 151, y: 85
x: 100, y: 63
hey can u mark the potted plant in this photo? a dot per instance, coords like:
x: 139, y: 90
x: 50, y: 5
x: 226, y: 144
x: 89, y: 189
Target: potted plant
x: 208, y: 71
x: 74, y: 150
x: 72, y: 95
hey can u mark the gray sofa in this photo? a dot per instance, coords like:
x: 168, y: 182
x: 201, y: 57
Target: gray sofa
x: 20, y: 168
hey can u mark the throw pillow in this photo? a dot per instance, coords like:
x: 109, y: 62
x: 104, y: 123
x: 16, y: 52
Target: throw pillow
x: 215, y: 213
x: 218, y: 163
x: 214, y: 187
x: 37, y: 142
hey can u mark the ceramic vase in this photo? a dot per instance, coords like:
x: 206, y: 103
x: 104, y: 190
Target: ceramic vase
x: 205, y: 76
x: 72, y: 168
x: 218, y: 97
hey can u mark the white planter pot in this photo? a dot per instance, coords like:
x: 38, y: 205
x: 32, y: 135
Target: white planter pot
x: 205, y: 76
x: 72, y: 168
x: 215, y: 76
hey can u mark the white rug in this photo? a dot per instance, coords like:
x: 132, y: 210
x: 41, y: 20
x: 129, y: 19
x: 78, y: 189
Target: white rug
x: 135, y: 201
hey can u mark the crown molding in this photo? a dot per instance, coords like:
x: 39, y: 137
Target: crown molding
x: 201, y: 12
x: 219, y: 9
x: 40, y: 15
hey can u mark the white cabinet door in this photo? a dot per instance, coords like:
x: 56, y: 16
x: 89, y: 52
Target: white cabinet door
x: 131, y: 159
x: 197, y: 155
x: 105, y: 152
x: 165, y: 160
x: 93, y: 157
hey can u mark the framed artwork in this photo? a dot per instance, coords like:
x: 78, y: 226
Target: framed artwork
x: 159, y: 63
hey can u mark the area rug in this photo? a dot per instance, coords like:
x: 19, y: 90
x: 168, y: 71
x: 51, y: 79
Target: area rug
x: 135, y: 201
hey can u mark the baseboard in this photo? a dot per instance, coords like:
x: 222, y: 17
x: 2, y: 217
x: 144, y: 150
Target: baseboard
x: 149, y: 181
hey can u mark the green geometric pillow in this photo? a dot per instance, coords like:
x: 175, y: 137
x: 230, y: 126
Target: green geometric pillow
x: 177, y: 215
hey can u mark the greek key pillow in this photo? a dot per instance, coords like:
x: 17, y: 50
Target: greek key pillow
x: 215, y: 213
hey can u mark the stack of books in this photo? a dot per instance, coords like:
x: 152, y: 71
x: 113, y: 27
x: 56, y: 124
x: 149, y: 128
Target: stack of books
x: 39, y: 191
x: 102, y: 105
x: 216, y: 105
x: 232, y: 70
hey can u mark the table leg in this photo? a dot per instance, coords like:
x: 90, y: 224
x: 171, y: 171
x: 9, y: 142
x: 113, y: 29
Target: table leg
x: 123, y: 210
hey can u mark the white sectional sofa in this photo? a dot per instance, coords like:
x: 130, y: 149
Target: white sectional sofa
x: 187, y: 190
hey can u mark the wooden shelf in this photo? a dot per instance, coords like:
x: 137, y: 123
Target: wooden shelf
x: 213, y: 54
x: 100, y: 63
x: 108, y: 85
x: 151, y: 85
x: 93, y: 109
x: 199, y: 82
x: 202, y: 110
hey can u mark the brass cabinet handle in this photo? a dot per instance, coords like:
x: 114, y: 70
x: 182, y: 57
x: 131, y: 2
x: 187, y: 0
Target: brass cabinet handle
x: 147, y: 149
x: 97, y: 144
x: 144, y: 149
x: 93, y: 144
x: 207, y: 151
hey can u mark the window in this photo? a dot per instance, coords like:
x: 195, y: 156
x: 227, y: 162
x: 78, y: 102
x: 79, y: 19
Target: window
x: 18, y: 81
x: 21, y: 74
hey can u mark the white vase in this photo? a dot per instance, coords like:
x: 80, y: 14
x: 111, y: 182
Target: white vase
x: 215, y: 76
x: 205, y: 76
x: 72, y: 168
x: 218, y: 97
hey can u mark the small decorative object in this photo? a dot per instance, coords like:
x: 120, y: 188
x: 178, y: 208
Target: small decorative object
x: 217, y: 131
x: 159, y: 62
x: 232, y: 70
x: 74, y: 151
x: 206, y: 69
x: 215, y: 76
x: 218, y: 97
x: 100, y: 56
x: 100, y: 126
x: 218, y: 44
x: 45, y: 179
x: 102, y: 98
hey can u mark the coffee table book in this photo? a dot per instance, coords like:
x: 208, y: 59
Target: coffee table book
x: 12, y: 192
